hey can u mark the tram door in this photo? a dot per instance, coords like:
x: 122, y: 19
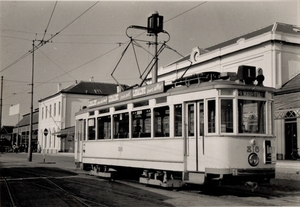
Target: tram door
x: 194, y: 139
x: 79, y: 136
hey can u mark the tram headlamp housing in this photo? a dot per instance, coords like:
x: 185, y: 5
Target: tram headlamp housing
x: 253, y: 159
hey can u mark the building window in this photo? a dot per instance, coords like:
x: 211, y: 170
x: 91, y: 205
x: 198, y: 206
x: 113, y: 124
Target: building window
x: 59, y: 106
x: 54, y: 110
x: 42, y: 112
x: 50, y: 111
x: 46, y: 112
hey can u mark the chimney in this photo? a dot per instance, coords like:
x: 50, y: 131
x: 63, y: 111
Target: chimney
x: 58, y: 87
x: 92, y: 79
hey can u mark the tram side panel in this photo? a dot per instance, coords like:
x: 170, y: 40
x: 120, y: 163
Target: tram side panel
x: 159, y: 154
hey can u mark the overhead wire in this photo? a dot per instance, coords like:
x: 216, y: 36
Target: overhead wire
x: 44, y: 42
x: 49, y: 21
x: 125, y: 42
x: 20, y: 38
x: 104, y: 53
x: 55, y: 63
x: 185, y: 11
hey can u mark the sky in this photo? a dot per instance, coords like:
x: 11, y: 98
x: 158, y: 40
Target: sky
x: 84, y: 39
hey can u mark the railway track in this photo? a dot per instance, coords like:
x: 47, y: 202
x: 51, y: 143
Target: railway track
x: 84, y: 190
x: 47, y: 188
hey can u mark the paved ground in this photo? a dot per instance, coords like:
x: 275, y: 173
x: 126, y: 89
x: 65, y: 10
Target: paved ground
x: 66, y: 161
x: 283, y: 191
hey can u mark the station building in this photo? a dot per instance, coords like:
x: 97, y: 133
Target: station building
x: 275, y: 49
x: 57, y: 114
x: 21, y: 132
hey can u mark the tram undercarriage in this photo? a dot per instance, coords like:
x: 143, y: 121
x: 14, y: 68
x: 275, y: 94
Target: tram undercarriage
x: 169, y: 179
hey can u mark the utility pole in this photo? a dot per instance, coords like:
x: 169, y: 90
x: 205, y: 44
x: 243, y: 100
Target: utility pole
x: 1, y: 105
x: 31, y: 108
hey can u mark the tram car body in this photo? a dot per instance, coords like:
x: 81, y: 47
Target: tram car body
x: 206, y: 127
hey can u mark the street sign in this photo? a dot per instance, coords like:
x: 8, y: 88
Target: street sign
x: 45, y: 132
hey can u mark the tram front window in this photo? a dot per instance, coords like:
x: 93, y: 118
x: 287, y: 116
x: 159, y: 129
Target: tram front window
x: 252, y: 115
x: 211, y: 116
x: 226, y: 116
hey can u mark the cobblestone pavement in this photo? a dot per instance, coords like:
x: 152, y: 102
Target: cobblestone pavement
x: 286, y: 185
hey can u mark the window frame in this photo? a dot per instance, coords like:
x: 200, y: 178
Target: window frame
x: 162, y: 122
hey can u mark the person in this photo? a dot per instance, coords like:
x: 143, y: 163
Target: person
x: 137, y: 127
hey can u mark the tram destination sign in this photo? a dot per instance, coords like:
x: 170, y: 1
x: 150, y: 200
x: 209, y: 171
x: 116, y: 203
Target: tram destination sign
x: 251, y: 93
x: 127, y: 95
x: 149, y: 89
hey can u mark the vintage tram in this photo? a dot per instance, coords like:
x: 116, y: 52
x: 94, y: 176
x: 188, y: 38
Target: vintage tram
x: 203, y: 128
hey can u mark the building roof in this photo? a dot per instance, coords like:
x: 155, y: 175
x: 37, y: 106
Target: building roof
x: 277, y: 27
x: 25, y: 121
x: 7, y: 129
x: 85, y: 87
x: 68, y: 131
x: 88, y: 88
x: 288, y: 96
x: 292, y: 86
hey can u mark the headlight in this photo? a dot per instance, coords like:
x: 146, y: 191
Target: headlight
x: 253, y: 159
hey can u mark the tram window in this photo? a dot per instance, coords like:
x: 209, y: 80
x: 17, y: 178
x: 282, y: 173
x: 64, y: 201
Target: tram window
x: 161, y: 122
x: 141, y: 123
x: 84, y: 129
x: 118, y: 108
x: 191, y: 120
x: 178, y: 120
x: 161, y: 100
x: 91, y: 129
x: 226, y: 115
x: 104, y: 126
x: 211, y: 116
x: 121, y: 125
x: 102, y: 111
x: 141, y: 103
x: 252, y: 115
x: 91, y: 113
x: 201, y: 116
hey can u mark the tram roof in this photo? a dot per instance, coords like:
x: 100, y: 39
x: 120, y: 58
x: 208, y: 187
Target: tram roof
x: 171, y: 90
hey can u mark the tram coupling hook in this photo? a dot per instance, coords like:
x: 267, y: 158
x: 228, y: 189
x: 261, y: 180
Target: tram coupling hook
x: 252, y: 185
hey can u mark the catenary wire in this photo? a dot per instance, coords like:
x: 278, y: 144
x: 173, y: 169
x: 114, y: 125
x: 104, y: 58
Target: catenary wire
x: 49, y: 20
x: 43, y: 42
x: 108, y: 51
x: 55, y: 64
